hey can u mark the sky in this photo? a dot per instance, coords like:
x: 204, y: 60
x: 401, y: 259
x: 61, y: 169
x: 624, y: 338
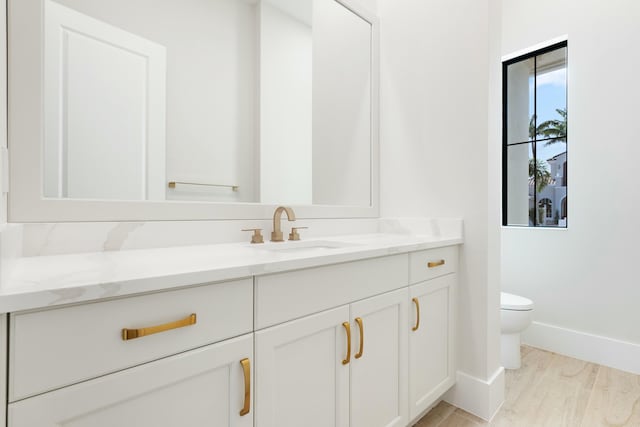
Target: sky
x: 552, y: 95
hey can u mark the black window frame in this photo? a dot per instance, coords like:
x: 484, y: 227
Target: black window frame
x: 505, y: 136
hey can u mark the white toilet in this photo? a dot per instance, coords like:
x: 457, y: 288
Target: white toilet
x: 515, y: 317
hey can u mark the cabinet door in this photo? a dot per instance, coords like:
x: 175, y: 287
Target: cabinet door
x: 379, y: 376
x: 431, y: 355
x: 203, y: 387
x: 300, y: 377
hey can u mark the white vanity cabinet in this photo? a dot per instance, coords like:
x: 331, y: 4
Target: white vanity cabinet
x: 54, y: 348
x: 308, y: 374
x: 181, y: 357
x: 202, y: 387
x: 345, y: 366
x: 432, y: 327
x: 379, y: 377
x: 300, y: 378
x: 363, y: 343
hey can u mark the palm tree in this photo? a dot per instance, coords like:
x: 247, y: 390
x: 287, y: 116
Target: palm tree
x: 532, y: 127
x: 539, y: 171
x: 556, y: 128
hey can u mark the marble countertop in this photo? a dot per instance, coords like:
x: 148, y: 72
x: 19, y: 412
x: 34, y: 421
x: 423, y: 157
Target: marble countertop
x: 45, y: 281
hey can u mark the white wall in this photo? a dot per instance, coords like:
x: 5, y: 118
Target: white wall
x: 315, y: 124
x: 341, y: 106
x: 285, y: 107
x: 585, y: 278
x: 211, y: 87
x: 435, y: 158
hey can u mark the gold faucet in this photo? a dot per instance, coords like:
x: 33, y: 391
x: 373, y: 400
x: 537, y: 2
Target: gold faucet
x: 276, y: 235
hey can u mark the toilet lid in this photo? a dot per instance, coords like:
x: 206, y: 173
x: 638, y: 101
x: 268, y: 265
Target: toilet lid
x: 515, y: 302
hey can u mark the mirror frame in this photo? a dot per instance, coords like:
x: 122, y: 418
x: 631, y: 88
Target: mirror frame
x: 25, y: 141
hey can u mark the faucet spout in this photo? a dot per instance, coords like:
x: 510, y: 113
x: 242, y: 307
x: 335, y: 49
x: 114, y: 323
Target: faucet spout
x: 276, y: 235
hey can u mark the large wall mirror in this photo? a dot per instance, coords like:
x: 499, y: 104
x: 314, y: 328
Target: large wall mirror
x: 191, y: 109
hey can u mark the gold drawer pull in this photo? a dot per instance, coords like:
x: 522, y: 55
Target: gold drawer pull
x: 417, y: 303
x: 361, y: 327
x: 432, y: 264
x: 131, y: 334
x: 347, y: 328
x: 246, y: 368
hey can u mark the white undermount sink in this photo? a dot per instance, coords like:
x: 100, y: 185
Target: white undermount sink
x: 303, y: 246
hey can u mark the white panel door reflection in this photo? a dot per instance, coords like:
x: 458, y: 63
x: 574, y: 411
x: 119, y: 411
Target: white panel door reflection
x: 104, y: 110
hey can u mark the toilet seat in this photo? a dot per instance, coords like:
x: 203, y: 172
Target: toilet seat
x: 514, y: 302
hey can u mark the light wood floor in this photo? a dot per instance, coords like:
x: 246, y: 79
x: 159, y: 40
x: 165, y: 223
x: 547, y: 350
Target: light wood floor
x: 551, y: 390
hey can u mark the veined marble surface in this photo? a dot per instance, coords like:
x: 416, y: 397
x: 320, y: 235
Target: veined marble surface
x: 434, y: 227
x: 46, y: 281
x: 42, y: 239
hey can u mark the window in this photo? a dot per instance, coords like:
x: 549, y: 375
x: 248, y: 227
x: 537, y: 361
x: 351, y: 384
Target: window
x: 546, y: 205
x: 534, y: 164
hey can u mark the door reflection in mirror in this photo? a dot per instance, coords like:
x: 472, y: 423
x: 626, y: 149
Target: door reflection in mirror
x: 238, y: 100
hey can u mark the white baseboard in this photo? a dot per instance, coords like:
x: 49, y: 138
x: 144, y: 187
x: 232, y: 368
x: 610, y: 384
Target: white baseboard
x: 584, y: 346
x: 476, y: 396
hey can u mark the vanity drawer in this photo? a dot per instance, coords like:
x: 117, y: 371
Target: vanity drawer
x: 54, y: 348
x: 285, y: 296
x: 425, y: 265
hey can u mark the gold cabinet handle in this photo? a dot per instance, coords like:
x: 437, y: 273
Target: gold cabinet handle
x: 417, y: 303
x: 433, y: 264
x: 347, y: 328
x: 131, y: 334
x: 246, y: 368
x: 361, y: 327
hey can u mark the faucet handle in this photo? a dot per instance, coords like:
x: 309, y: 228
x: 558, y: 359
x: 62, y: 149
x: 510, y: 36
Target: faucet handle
x: 294, y: 233
x: 257, y: 235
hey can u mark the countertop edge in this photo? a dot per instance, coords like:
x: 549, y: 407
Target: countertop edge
x: 16, y: 300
